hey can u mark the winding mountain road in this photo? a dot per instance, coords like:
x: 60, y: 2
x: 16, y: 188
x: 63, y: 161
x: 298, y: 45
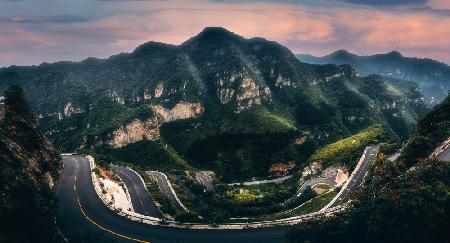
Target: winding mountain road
x: 260, y: 182
x: 81, y: 213
x: 310, y: 183
x: 166, y: 188
x: 356, y: 178
x: 140, y: 197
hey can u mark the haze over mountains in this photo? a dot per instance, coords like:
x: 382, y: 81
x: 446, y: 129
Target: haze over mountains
x: 433, y: 77
x: 179, y: 105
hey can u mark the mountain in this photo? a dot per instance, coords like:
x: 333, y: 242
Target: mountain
x: 218, y: 101
x: 431, y: 130
x: 401, y: 201
x: 433, y: 77
x: 29, y: 171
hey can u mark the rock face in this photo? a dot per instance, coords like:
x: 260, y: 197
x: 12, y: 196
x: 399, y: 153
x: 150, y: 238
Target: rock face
x: 159, y: 90
x: 69, y: 109
x: 135, y: 131
x: 250, y: 94
x: 311, y: 170
x: 138, y: 130
x: 180, y: 111
x: 341, y: 177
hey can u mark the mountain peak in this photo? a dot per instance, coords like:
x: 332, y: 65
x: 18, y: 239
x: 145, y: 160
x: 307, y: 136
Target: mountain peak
x: 394, y: 54
x: 214, y: 34
x: 341, y: 53
x: 152, y: 48
x: 216, y: 30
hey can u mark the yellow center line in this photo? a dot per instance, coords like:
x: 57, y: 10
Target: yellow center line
x: 99, y: 226
x: 105, y: 229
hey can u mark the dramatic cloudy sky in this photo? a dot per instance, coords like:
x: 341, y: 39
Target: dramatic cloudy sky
x: 34, y: 31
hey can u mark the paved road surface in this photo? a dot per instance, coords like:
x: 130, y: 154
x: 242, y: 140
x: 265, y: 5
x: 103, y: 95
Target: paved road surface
x: 165, y: 187
x: 140, y: 197
x: 251, y: 183
x: 79, y: 193
x: 355, y: 181
x: 445, y: 156
x: 206, y: 180
x: 310, y: 183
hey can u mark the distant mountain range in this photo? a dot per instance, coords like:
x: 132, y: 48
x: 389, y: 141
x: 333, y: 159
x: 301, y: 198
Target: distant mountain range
x: 218, y: 101
x: 433, y: 77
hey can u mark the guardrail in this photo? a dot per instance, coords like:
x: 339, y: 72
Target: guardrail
x: 439, y: 150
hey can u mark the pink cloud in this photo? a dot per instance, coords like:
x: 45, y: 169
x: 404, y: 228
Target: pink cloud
x: 439, y: 4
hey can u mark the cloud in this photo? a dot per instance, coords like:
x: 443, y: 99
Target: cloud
x: 60, y: 19
x: 119, y: 26
x: 385, y: 2
x: 439, y: 4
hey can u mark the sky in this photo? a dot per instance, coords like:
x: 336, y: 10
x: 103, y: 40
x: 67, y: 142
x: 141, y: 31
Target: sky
x: 32, y: 32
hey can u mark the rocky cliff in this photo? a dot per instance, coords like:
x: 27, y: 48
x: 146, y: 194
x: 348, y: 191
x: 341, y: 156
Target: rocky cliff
x: 29, y: 171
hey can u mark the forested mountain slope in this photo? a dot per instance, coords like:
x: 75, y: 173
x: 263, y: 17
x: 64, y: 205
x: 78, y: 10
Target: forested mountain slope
x: 182, y: 105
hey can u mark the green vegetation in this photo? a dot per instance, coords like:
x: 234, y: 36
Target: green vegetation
x: 244, y: 195
x: 394, y: 206
x: 149, y: 155
x: 347, y: 150
x: 252, y: 201
x: 313, y: 205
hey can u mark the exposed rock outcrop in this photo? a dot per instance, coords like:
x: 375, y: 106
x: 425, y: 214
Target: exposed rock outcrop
x: 138, y: 130
x: 159, y: 90
x: 135, y: 131
x: 70, y: 109
x: 250, y: 93
x: 180, y: 111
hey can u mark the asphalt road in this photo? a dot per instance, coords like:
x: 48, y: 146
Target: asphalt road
x: 445, y: 156
x: 140, y: 197
x: 164, y: 186
x: 82, y: 214
x: 206, y: 180
x: 357, y: 180
x: 260, y: 182
x: 310, y: 183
